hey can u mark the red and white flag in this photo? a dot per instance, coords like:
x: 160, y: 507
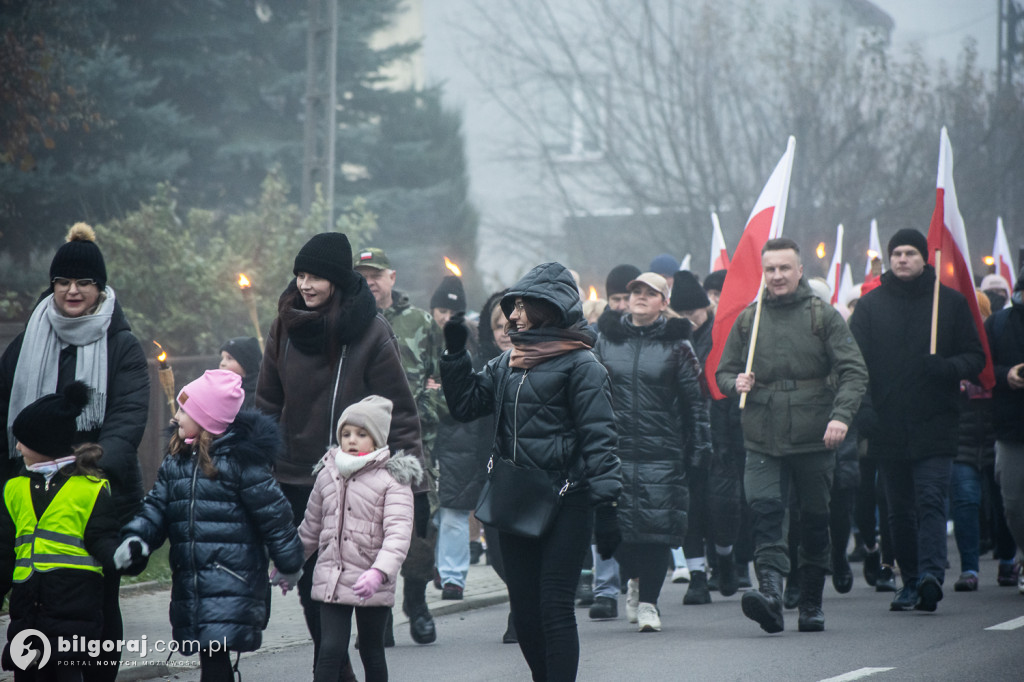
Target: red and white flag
x: 719, y: 254
x: 835, y: 270
x: 948, y: 234
x: 1001, y: 255
x: 744, y: 278
x: 846, y: 290
x: 874, y: 248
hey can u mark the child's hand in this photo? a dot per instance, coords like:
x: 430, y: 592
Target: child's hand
x: 368, y: 583
x: 287, y: 581
x: 131, y: 551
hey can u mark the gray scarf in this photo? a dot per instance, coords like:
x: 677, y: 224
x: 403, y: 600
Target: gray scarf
x: 47, y: 333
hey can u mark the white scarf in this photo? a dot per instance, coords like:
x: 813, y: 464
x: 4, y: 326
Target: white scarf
x: 350, y: 464
x: 49, y: 469
x: 47, y: 333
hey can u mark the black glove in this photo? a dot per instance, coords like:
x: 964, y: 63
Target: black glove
x: 456, y: 333
x: 606, y: 530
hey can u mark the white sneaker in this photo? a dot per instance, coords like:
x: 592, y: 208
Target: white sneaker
x: 681, y: 575
x: 647, y: 618
x: 632, y: 600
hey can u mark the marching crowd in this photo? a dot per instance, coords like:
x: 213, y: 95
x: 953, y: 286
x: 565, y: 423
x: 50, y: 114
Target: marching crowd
x: 590, y: 448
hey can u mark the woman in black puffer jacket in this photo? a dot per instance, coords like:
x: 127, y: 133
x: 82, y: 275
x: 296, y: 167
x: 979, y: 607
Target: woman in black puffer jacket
x: 552, y: 403
x: 664, y: 431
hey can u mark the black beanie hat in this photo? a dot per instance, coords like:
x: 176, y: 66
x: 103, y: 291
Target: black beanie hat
x: 687, y: 293
x: 327, y: 255
x: 619, y: 277
x: 908, y: 237
x: 49, y: 425
x: 80, y: 258
x: 715, y: 281
x: 450, y: 294
x: 245, y: 349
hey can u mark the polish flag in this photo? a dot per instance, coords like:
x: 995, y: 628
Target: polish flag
x: 685, y: 263
x: 845, y: 291
x: 719, y: 255
x: 874, y: 248
x: 744, y: 279
x: 1001, y: 255
x: 835, y: 270
x: 948, y: 234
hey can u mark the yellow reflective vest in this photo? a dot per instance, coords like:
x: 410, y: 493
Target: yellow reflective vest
x: 57, y: 540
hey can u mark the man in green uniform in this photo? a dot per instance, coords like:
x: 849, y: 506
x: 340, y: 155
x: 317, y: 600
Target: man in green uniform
x: 804, y: 387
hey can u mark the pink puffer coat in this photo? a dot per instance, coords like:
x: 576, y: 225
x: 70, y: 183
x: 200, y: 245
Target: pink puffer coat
x: 359, y: 522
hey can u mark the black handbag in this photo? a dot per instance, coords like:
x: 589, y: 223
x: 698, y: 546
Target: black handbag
x: 518, y: 500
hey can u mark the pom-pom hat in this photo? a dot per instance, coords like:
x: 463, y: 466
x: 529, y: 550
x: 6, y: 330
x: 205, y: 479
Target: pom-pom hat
x: 213, y: 400
x: 49, y: 425
x: 80, y: 257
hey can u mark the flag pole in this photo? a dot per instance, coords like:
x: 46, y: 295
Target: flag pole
x: 935, y: 301
x: 753, y: 337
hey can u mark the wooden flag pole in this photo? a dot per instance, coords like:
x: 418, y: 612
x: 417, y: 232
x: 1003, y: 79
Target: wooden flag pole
x: 935, y: 302
x: 753, y: 337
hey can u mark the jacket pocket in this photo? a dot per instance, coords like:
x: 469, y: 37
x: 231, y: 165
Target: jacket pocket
x: 224, y: 569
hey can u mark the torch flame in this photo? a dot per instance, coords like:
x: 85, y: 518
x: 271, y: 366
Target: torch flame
x: 162, y: 357
x: 453, y: 267
x: 243, y: 281
x: 593, y: 294
x: 989, y: 260
x: 872, y: 254
x: 820, y: 250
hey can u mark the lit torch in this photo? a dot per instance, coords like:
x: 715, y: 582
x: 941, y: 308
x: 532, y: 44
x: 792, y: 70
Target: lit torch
x: 820, y: 250
x: 455, y: 269
x: 990, y: 263
x: 593, y: 293
x: 250, y: 302
x: 166, y: 376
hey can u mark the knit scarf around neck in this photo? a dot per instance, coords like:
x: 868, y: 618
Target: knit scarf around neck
x: 534, y: 346
x: 47, y: 333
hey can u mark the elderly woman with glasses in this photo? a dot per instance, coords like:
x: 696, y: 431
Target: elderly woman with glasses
x: 79, y: 332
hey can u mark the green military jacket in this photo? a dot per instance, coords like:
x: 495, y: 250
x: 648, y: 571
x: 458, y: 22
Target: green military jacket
x: 808, y: 370
x: 419, y: 344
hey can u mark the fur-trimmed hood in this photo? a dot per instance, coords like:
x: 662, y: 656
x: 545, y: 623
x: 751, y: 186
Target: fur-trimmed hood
x: 253, y: 438
x: 617, y: 327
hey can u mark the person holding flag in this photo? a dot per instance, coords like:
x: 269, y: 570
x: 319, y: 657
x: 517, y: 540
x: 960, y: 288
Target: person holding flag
x: 910, y: 415
x: 803, y: 387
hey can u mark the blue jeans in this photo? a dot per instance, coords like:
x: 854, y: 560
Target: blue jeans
x: 452, y: 552
x: 916, y: 491
x: 606, y: 576
x: 965, y: 505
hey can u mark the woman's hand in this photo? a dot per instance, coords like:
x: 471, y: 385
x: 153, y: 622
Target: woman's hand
x: 607, y: 535
x: 456, y: 333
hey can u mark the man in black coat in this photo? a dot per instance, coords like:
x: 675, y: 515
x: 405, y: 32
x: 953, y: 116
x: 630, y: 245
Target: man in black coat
x: 910, y: 414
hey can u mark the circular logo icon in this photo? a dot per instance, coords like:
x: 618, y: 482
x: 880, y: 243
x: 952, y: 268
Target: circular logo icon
x: 24, y: 651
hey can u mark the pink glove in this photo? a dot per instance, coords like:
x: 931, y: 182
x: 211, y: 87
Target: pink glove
x: 368, y: 583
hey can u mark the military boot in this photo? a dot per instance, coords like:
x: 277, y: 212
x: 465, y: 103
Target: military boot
x: 812, y: 582
x: 765, y: 605
x: 791, y: 597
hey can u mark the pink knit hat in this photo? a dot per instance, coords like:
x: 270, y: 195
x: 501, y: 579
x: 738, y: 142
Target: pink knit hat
x: 213, y: 399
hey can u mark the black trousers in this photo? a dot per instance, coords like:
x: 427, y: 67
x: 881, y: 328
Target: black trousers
x: 646, y: 562
x: 113, y: 629
x: 336, y: 629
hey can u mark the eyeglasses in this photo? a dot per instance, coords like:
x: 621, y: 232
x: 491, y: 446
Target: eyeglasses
x: 64, y: 282
x: 519, y: 306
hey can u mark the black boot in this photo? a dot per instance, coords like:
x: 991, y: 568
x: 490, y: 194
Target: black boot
x: 697, y: 592
x: 791, y: 597
x: 765, y: 605
x: 729, y: 583
x: 510, y: 632
x: 812, y: 582
x: 585, y: 589
x: 842, y: 574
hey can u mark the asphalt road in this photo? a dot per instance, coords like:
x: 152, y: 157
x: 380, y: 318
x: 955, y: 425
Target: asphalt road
x: 862, y: 640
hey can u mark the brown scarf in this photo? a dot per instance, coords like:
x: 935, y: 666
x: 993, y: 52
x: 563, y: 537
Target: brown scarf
x: 527, y: 356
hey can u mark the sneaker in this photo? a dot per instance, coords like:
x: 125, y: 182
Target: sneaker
x: 451, y: 592
x: 647, y: 618
x: 632, y: 600
x: 886, y: 581
x: 967, y: 582
x: 929, y: 594
x: 872, y: 566
x: 1009, y: 574
x: 681, y: 574
x: 604, y: 608
x: 906, y: 598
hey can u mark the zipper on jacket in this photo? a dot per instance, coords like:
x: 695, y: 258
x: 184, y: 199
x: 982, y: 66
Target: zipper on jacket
x: 222, y: 567
x: 192, y: 541
x: 334, y: 397
x: 515, y: 417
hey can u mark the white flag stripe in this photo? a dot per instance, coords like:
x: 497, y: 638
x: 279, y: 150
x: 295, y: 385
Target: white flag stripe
x: 834, y: 278
x: 1002, y: 255
x: 951, y: 208
x: 874, y: 244
x: 858, y: 674
x: 717, y: 245
x: 1014, y: 624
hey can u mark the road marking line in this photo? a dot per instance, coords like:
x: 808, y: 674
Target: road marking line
x: 857, y: 674
x: 1009, y: 625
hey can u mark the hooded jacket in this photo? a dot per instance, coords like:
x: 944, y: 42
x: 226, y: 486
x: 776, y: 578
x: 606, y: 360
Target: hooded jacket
x: 358, y: 523
x: 125, y: 415
x: 555, y: 416
x: 912, y: 408
x: 306, y: 391
x: 221, y: 530
x: 800, y: 344
x: 1005, y: 331
x: 661, y: 416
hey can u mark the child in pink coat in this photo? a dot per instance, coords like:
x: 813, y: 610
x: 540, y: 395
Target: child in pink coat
x: 359, y: 518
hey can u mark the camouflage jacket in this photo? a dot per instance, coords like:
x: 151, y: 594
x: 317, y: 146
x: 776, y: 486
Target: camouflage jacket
x: 419, y: 342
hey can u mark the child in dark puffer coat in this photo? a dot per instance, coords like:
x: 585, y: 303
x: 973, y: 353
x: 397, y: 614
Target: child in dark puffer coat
x: 216, y: 501
x: 359, y: 518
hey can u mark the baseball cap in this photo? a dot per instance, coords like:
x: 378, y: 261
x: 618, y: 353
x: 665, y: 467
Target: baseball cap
x: 372, y: 258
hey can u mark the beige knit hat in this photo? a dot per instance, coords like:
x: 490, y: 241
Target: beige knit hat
x: 372, y: 413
